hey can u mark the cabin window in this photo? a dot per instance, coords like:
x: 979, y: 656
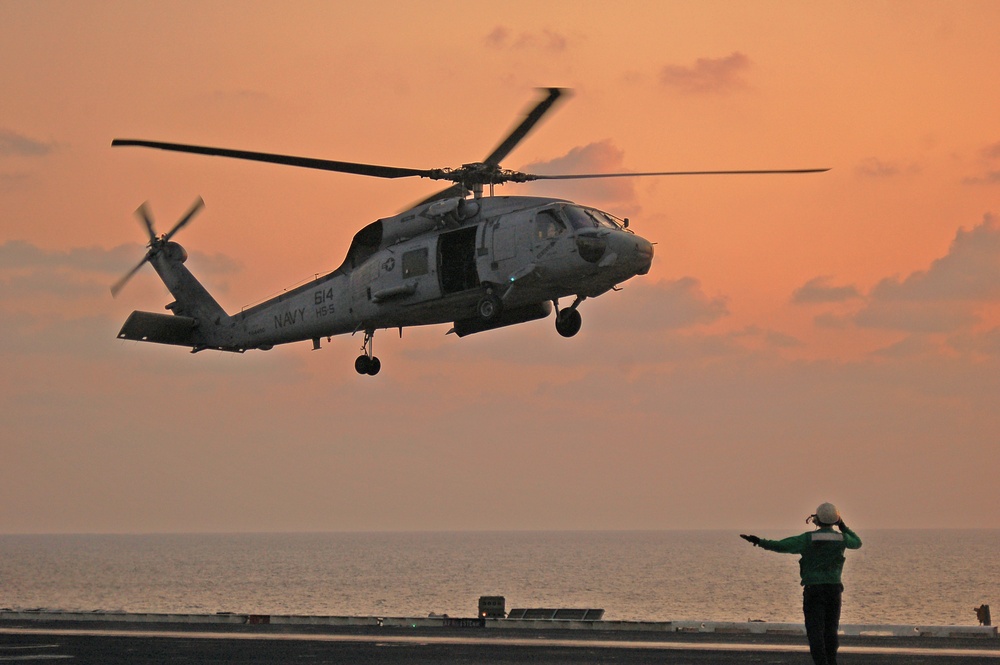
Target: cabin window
x: 548, y: 226
x: 415, y: 263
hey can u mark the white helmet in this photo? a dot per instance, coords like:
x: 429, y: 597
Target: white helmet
x: 827, y: 514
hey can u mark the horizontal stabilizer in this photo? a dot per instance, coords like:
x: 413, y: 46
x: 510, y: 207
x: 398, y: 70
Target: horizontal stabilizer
x: 159, y: 328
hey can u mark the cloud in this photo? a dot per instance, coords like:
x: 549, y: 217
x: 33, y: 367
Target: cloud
x: 14, y: 144
x: 873, y: 167
x: 664, y: 305
x: 82, y: 338
x: 60, y: 283
x: 970, y: 271
x: 708, y: 75
x: 991, y: 151
x: 986, y: 343
x: 16, y: 254
x: 988, y: 178
x: 946, y: 296
x: 916, y: 317
x: 771, y: 339
x: 988, y: 157
x: 833, y: 321
x: 27, y: 269
x: 819, y: 290
x: 21, y: 254
x: 501, y: 37
x: 599, y: 157
x: 911, y: 347
x: 13, y: 181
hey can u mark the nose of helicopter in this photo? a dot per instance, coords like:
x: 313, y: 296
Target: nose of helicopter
x: 643, y: 255
x: 627, y: 255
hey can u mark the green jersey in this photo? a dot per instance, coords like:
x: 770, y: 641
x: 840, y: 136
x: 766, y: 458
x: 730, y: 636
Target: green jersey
x: 822, y: 553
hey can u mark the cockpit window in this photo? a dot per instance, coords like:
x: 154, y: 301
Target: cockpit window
x: 548, y: 225
x: 588, y: 218
x: 603, y: 219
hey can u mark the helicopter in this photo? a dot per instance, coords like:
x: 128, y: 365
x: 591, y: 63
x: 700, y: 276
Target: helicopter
x: 477, y: 262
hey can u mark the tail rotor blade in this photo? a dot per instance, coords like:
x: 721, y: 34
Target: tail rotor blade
x: 143, y: 213
x: 155, y: 244
x: 198, y: 205
x: 117, y: 286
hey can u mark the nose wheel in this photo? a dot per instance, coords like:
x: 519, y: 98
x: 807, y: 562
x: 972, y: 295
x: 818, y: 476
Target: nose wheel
x: 568, y: 321
x: 367, y: 363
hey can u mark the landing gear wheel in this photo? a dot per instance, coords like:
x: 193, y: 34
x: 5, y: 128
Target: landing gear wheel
x: 489, y: 307
x: 367, y: 363
x: 568, y: 322
x: 363, y: 365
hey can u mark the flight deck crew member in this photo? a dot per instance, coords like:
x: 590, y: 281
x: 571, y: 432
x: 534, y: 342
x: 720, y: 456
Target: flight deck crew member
x: 820, y: 565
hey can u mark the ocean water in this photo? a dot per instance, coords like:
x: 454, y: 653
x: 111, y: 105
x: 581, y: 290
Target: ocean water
x: 930, y: 577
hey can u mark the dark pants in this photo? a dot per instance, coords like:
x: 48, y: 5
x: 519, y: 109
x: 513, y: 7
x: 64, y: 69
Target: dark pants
x: 821, y: 606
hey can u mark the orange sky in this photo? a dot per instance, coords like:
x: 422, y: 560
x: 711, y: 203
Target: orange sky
x: 799, y: 338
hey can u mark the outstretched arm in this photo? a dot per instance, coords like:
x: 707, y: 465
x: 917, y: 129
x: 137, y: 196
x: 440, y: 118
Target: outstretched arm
x: 792, y: 545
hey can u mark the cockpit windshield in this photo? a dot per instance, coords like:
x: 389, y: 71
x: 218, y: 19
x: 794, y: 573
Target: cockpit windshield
x: 588, y: 218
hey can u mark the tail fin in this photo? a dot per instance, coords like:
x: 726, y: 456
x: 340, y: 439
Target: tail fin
x: 198, y: 320
x: 190, y: 297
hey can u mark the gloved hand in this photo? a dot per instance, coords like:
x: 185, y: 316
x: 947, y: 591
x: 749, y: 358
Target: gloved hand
x: 751, y: 539
x: 840, y: 525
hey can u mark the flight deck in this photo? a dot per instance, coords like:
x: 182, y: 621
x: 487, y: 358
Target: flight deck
x: 109, y: 637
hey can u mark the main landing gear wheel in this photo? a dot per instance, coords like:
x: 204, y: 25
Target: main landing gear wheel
x: 489, y: 307
x: 568, y: 322
x: 367, y: 363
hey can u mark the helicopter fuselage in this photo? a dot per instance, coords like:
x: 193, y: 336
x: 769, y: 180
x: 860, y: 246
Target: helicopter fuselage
x: 433, y: 265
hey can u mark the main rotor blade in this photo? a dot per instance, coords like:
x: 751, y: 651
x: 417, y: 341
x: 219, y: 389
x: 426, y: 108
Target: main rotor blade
x: 143, y: 213
x: 526, y: 125
x: 580, y: 176
x: 117, y: 286
x: 374, y: 170
x: 198, y: 205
